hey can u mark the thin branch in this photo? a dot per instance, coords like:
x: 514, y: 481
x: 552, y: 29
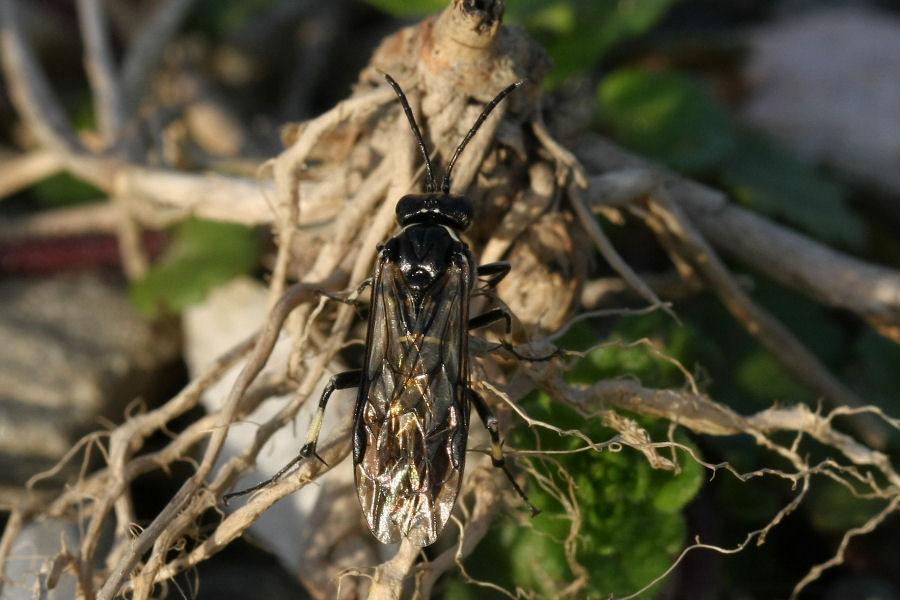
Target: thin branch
x: 609, y: 253
x: 565, y: 157
x: 702, y: 415
x: 666, y: 218
x: 135, y: 261
x: 792, y: 259
x: 620, y: 188
x: 28, y: 87
x: 576, y: 193
x: 292, y: 160
x: 20, y: 171
x: 296, y: 295
x: 613, y: 291
x: 838, y: 558
x: 11, y: 531
x: 333, y: 450
x: 210, y: 196
x: 146, y: 51
x: 387, y: 584
x: 101, y: 69
x: 122, y: 444
x: 482, y: 486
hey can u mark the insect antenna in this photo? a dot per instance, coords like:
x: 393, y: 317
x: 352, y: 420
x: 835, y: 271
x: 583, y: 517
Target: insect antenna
x: 445, y: 184
x: 429, y: 185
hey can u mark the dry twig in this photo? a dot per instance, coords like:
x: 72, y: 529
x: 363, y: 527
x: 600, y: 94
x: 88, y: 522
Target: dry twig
x: 796, y: 261
x: 101, y: 70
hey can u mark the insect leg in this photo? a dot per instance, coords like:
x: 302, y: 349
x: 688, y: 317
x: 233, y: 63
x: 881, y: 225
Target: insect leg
x: 493, y: 427
x: 350, y: 298
x: 491, y: 316
x: 263, y: 484
x: 341, y: 381
x: 494, y: 315
x: 495, y: 272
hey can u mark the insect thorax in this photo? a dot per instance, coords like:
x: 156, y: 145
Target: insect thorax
x: 425, y: 252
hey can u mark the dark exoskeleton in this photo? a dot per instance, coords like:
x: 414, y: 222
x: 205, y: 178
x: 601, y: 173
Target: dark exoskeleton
x: 411, y: 421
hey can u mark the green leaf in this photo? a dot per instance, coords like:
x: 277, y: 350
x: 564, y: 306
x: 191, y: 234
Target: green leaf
x: 745, y: 375
x: 62, y: 189
x: 761, y: 376
x: 807, y: 319
x: 204, y: 254
x: 409, y: 8
x: 833, y: 508
x: 768, y: 179
x: 220, y: 17
x: 666, y: 116
x: 636, y: 347
x: 577, y: 34
x: 673, y: 495
x: 872, y: 368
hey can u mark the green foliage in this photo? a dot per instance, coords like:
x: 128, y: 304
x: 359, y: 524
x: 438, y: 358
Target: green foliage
x: 204, y: 254
x: 667, y: 117
x: 578, y: 34
x: 834, y: 509
x: 410, y: 8
x: 215, y: 16
x: 768, y: 179
x: 64, y: 190
x: 872, y: 366
x: 631, y: 526
x: 738, y: 371
x: 638, y: 347
x: 761, y: 376
x: 631, y: 523
x: 672, y: 118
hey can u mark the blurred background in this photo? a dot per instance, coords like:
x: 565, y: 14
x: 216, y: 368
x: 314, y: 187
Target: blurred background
x: 792, y: 107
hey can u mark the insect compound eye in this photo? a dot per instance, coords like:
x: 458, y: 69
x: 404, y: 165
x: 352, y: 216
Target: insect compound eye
x: 443, y: 209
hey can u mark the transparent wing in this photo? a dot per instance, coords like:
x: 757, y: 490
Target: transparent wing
x: 412, y: 410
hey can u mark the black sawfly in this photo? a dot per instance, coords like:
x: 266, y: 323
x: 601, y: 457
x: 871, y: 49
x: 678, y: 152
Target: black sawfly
x: 411, y: 420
